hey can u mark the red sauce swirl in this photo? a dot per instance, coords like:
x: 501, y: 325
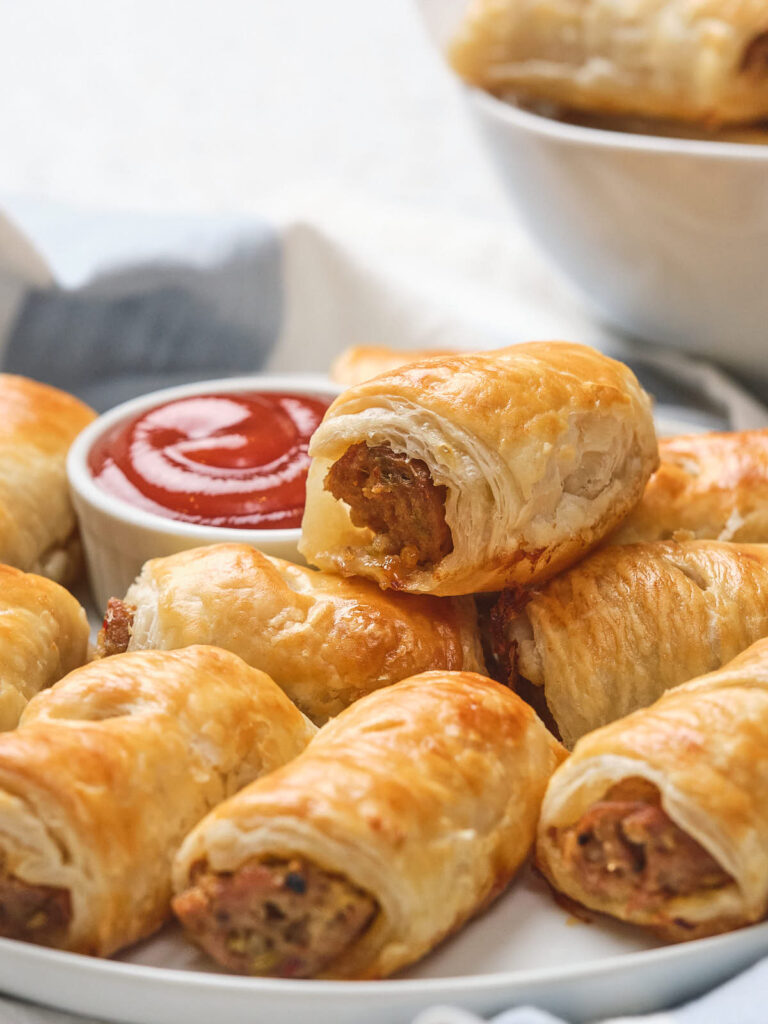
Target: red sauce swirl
x: 234, y: 460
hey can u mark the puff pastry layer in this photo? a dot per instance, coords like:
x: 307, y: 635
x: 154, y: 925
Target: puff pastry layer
x: 687, y: 60
x: 627, y: 623
x: 661, y: 818
x: 109, y: 770
x: 418, y: 802
x: 43, y: 635
x: 325, y: 640
x: 474, y: 472
x: 37, y: 521
x: 707, y: 485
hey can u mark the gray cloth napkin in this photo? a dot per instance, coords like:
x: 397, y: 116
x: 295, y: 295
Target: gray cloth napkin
x: 113, y: 306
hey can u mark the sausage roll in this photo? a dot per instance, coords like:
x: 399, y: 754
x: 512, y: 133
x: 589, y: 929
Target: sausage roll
x: 37, y: 521
x: 361, y: 362
x: 661, y: 818
x: 627, y: 623
x: 325, y: 640
x: 405, y: 816
x: 687, y: 60
x: 43, y: 635
x: 708, y: 485
x: 475, y: 472
x: 109, y: 770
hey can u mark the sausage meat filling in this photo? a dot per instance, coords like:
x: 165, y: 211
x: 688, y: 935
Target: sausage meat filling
x: 34, y: 913
x: 629, y: 851
x: 755, y: 59
x: 115, y: 632
x: 396, y: 498
x: 285, y: 918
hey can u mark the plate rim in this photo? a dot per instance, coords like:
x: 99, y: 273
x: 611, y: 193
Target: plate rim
x: 174, y: 976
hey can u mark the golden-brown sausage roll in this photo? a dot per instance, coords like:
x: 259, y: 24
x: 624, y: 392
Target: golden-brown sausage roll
x: 405, y: 816
x: 661, y: 818
x: 627, y: 623
x: 361, y: 362
x: 109, y: 770
x: 43, y: 635
x: 686, y: 60
x: 324, y: 639
x: 707, y: 485
x: 37, y: 521
x: 474, y: 472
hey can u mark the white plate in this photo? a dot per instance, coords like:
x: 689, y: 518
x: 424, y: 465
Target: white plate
x: 525, y: 949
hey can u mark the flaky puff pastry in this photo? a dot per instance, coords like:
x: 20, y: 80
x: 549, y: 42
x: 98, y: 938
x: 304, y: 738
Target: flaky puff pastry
x: 700, y: 61
x: 707, y: 485
x: 614, y: 632
x: 362, y: 362
x: 109, y: 770
x: 43, y: 635
x: 324, y: 639
x: 527, y: 456
x: 424, y: 796
x: 703, y: 747
x: 37, y: 522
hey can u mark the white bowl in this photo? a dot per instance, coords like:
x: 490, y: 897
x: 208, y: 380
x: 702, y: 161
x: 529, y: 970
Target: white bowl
x: 667, y: 237
x: 118, y: 537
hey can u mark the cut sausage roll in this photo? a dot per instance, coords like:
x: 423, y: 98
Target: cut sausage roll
x: 37, y: 522
x: 109, y: 770
x: 474, y: 472
x: 43, y: 635
x: 707, y: 485
x: 325, y: 640
x: 627, y: 623
x: 687, y: 60
x: 405, y: 816
x: 661, y: 818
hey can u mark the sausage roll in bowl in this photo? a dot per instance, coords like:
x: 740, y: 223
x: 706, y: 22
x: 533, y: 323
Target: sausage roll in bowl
x: 405, y: 816
x: 661, y: 818
x: 700, y: 61
x: 474, y: 472
x: 37, y: 522
x: 109, y: 770
x: 707, y: 485
x: 627, y: 623
x: 43, y: 635
x: 324, y: 639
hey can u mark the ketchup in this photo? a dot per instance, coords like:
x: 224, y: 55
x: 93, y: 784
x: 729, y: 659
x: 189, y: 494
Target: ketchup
x: 234, y: 460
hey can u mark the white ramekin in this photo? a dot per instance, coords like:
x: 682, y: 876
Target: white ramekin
x: 118, y: 537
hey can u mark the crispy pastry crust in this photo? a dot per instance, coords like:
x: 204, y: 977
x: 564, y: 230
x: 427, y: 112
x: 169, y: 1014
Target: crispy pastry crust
x: 703, y: 747
x: 424, y: 795
x: 709, y: 486
x: 110, y: 769
x: 43, y: 635
x: 687, y: 60
x: 627, y: 623
x: 324, y: 639
x: 37, y: 521
x: 542, y: 449
x: 362, y: 362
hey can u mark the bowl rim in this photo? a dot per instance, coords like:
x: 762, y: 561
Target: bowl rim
x: 604, y: 137
x: 85, y: 487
